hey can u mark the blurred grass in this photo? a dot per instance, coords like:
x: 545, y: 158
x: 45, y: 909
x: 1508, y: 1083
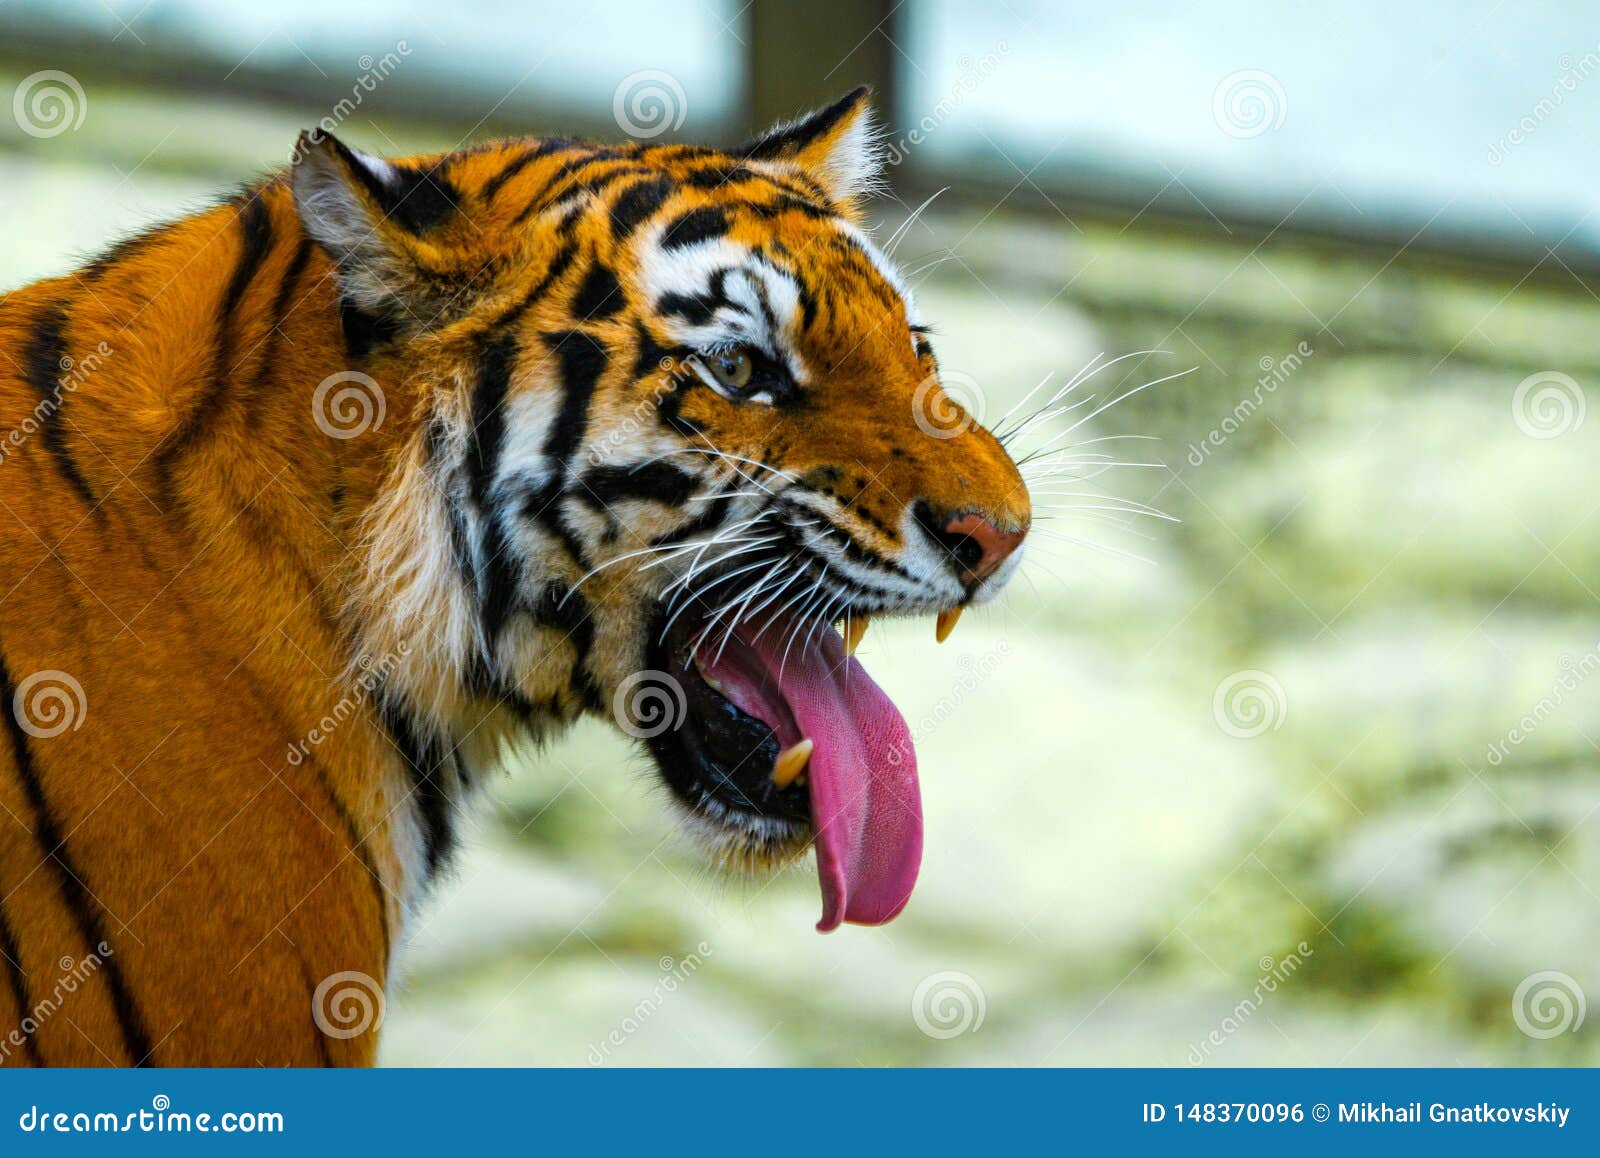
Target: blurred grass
x: 1106, y: 868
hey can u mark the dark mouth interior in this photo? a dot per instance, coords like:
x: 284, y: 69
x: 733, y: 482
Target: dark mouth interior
x: 719, y: 758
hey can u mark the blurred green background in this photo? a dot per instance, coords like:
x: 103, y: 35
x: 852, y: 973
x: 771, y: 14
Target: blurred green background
x: 1307, y: 776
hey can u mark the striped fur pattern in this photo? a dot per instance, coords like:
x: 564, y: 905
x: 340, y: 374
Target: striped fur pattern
x: 318, y: 501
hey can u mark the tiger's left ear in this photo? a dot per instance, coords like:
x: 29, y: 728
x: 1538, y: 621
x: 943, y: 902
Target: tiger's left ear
x: 388, y: 227
x: 838, y: 147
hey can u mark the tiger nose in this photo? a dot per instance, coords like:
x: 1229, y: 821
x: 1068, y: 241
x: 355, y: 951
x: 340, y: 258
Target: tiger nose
x: 975, y: 544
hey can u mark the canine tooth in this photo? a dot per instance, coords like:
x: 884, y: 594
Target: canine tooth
x: 946, y: 624
x: 791, y: 762
x: 855, y: 626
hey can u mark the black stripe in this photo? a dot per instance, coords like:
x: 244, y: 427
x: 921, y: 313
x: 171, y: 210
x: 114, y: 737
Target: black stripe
x: 122, y: 250
x: 543, y: 197
x: 717, y: 176
x: 670, y: 410
x: 762, y: 300
x: 652, y: 357
x: 809, y: 191
x: 792, y: 203
x: 19, y: 984
x: 868, y: 271
x: 421, y: 199
x: 425, y: 765
x: 861, y: 553
x: 602, y: 181
x: 599, y: 295
x: 497, y: 358
x: 544, y: 507
x: 558, y: 266
x: 808, y: 303
x: 707, y: 520
x: 77, y: 895
x: 698, y: 309
x: 359, y: 845
x: 291, y: 277
x: 656, y: 482
x: 352, y: 829
x: 522, y: 160
x: 583, y: 359
x: 280, y: 311
x: 45, y: 361
x: 460, y: 541
x: 255, y: 225
x: 563, y: 609
x: 636, y: 203
x: 498, y: 596
x: 364, y: 332
x: 679, y: 154
x: 703, y: 224
x: 494, y: 184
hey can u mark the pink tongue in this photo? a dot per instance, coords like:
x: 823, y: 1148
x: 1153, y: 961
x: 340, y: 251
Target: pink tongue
x: 865, y: 803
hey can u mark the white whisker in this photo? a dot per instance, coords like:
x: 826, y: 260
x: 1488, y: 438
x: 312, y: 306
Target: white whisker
x: 899, y: 234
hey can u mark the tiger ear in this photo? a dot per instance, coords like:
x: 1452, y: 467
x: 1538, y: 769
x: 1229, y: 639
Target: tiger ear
x: 372, y: 217
x: 837, y: 146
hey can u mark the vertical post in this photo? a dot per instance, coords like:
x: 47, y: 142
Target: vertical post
x: 802, y: 55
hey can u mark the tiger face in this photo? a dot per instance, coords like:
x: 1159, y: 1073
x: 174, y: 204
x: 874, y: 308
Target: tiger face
x: 679, y: 418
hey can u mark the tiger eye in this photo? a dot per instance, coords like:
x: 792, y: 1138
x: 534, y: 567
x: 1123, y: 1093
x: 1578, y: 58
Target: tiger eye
x: 732, y: 368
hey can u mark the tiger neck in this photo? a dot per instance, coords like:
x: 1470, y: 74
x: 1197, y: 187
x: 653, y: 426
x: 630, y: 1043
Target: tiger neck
x: 316, y: 508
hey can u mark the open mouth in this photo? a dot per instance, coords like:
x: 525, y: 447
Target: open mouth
x: 786, y: 741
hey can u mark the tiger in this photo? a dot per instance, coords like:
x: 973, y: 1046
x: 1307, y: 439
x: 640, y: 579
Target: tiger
x: 325, y: 502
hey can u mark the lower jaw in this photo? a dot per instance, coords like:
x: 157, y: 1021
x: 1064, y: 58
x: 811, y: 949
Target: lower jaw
x: 746, y: 845
x: 718, y: 764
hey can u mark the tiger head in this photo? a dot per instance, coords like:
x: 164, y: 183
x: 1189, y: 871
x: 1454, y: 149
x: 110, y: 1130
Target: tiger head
x: 676, y: 416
